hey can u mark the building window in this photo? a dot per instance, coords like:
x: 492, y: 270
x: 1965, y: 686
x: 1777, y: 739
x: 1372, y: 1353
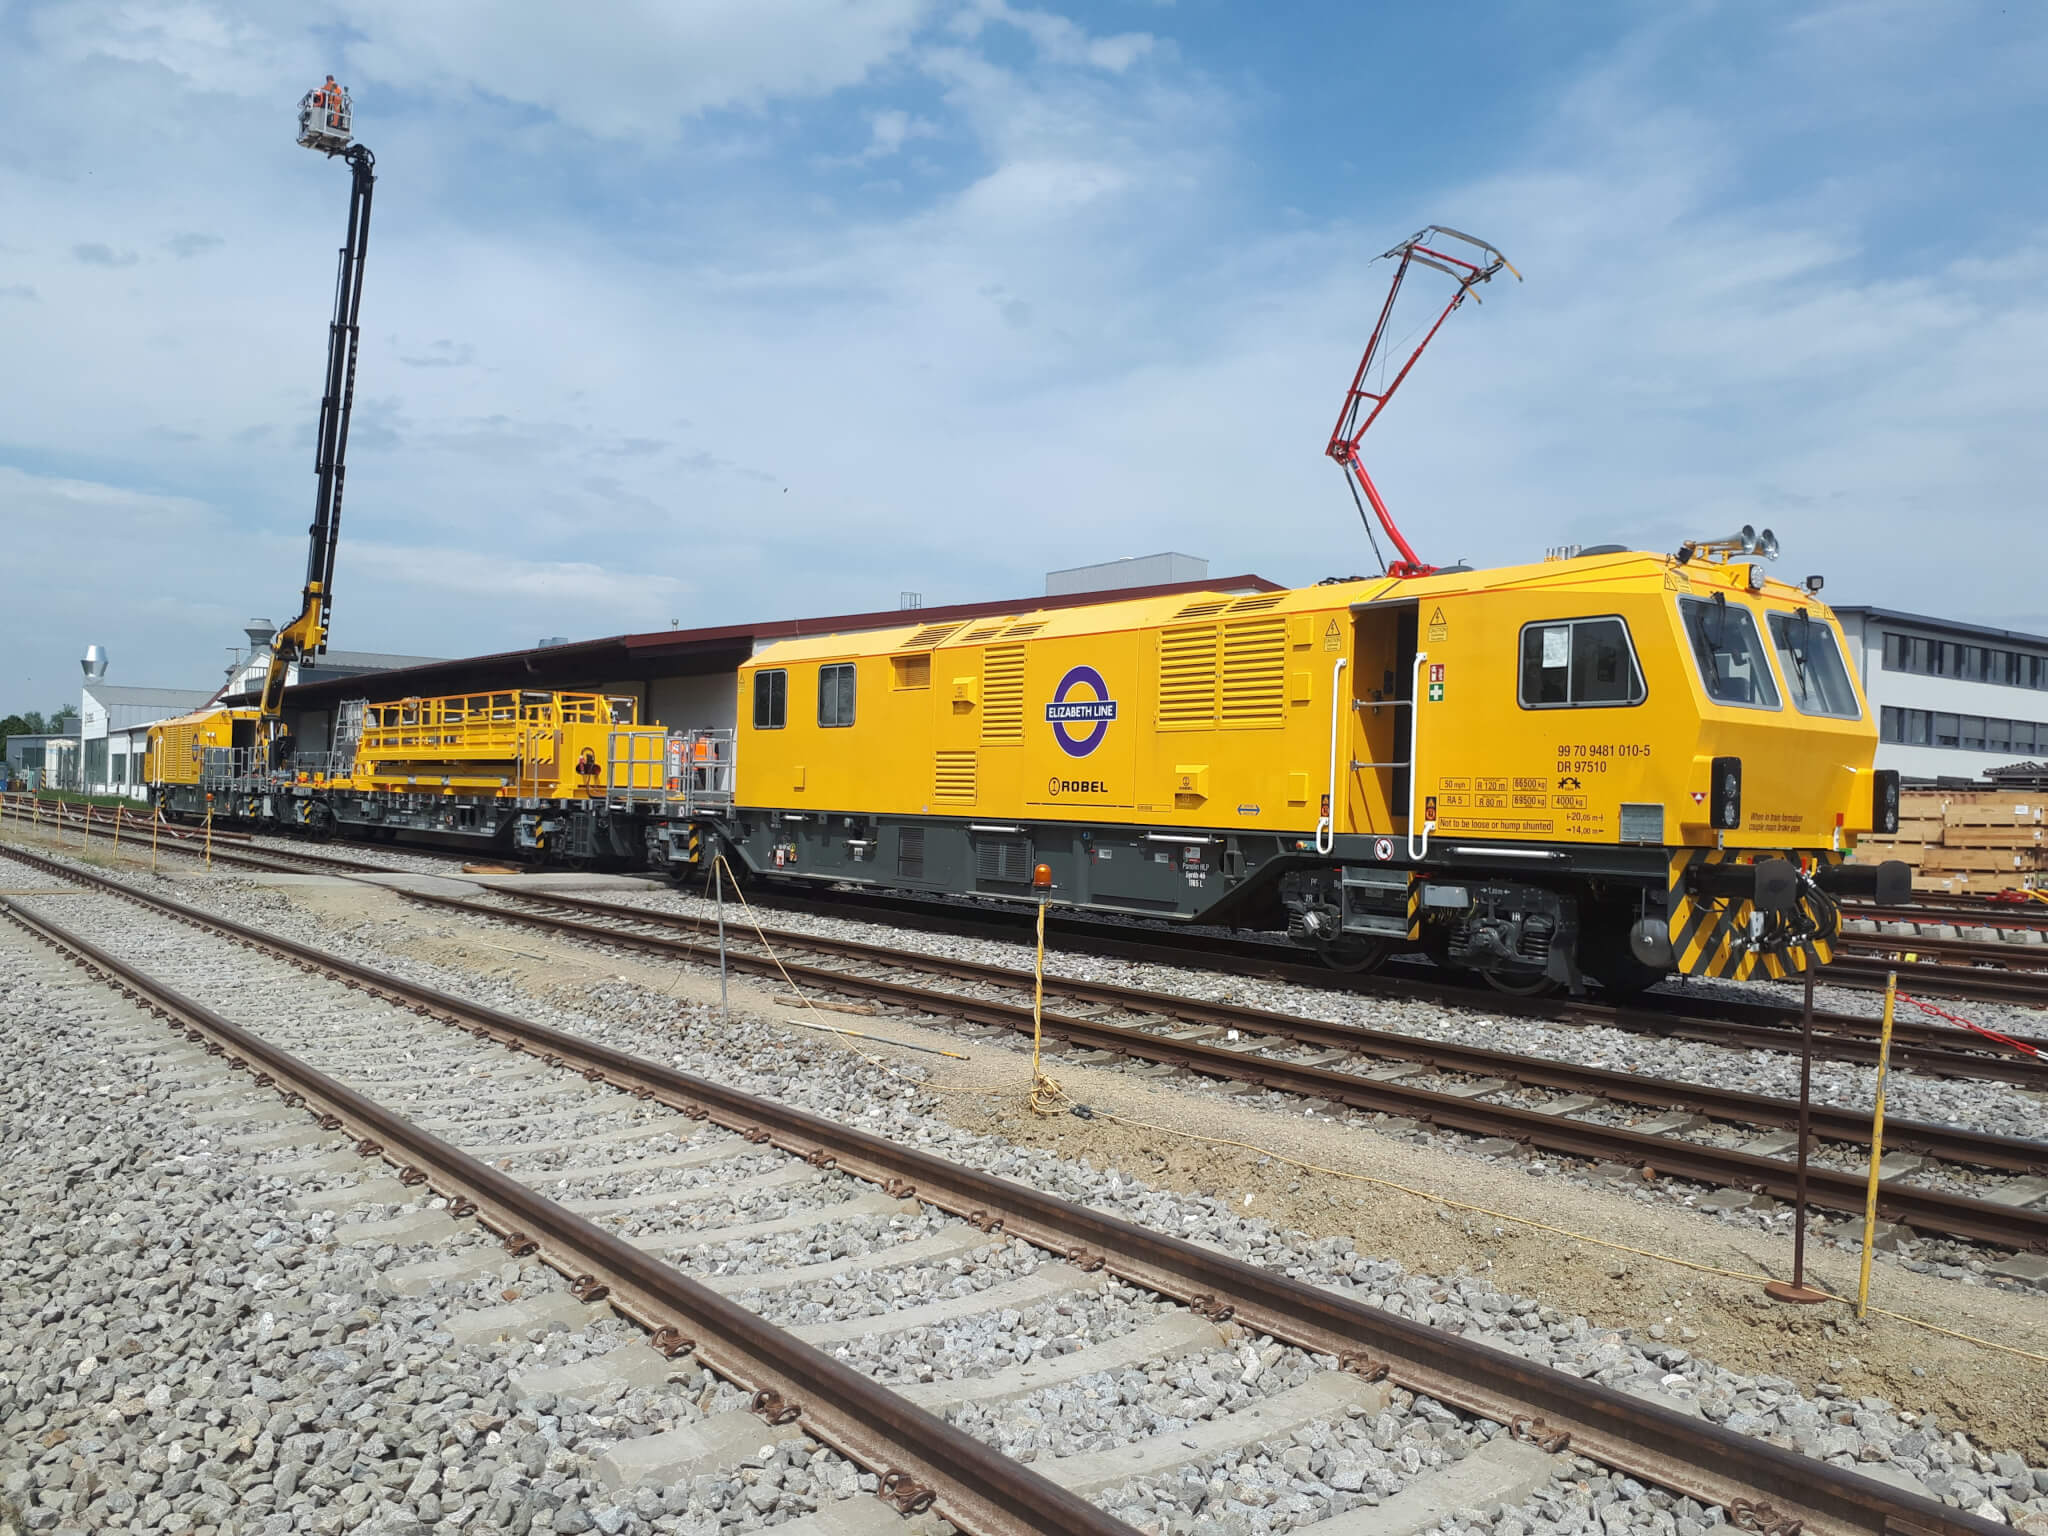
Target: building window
x: 1947, y: 731
x: 771, y: 700
x: 1973, y: 733
x: 2023, y: 737
x: 1730, y: 657
x: 1997, y: 735
x: 1919, y: 728
x: 1923, y: 656
x: 1579, y: 662
x: 1890, y: 725
x: 835, y: 694
x: 1896, y: 650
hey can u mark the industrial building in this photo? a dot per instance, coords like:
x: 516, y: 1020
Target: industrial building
x: 113, y: 732
x: 685, y: 676
x: 1953, y: 700
x: 36, y: 760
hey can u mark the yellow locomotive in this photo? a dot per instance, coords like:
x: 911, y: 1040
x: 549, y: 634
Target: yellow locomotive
x: 1616, y: 765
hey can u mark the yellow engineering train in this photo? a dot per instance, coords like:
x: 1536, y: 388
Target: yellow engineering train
x: 1617, y: 765
x: 1613, y: 766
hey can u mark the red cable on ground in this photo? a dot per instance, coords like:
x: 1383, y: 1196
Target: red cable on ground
x: 1989, y: 1034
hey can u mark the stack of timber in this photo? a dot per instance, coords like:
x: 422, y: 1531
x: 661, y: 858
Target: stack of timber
x: 1971, y: 842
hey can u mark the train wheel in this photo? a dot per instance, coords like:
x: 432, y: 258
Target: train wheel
x: 1519, y: 985
x: 1606, y: 957
x: 1355, y: 957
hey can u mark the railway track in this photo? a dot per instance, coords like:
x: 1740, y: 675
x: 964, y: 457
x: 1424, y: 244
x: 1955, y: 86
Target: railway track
x: 237, y: 850
x: 1938, y: 1049
x: 603, y: 1104
x: 1982, y: 953
x: 1270, y: 1055
x: 1349, y: 1065
x: 1931, y: 1048
x: 1977, y: 970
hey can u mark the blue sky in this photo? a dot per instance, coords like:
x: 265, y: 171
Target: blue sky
x: 772, y: 307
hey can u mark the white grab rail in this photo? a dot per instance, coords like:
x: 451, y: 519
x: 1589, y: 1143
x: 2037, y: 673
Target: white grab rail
x: 1326, y: 824
x: 1415, y: 697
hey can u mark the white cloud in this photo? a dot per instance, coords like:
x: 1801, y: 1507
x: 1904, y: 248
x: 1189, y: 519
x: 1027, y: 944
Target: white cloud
x: 632, y: 71
x: 620, y: 596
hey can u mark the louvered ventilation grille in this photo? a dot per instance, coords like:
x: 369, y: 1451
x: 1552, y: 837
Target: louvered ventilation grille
x: 1019, y: 631
x: 1257, y: 604
x: 910, y: 852
x: 1254, y: 673
x: 985, y: 632
x: 1002, y: 696
x: 953, y: 778
x: 1187, y: 678
x: 1203, y: 610
x: 1002, y: 861
x: 929, y: 636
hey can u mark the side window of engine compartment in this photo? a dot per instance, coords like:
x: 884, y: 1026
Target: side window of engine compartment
x: 771, y: 699
x: 1730, y: 656
x: 835, y: 694
x: 1579, y: 663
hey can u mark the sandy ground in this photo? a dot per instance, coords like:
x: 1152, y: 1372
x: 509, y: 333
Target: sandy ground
x: 1996, y: 1397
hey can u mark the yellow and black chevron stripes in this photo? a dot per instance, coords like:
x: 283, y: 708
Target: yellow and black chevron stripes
x: 1414, y: 907
x: 1709, y: 935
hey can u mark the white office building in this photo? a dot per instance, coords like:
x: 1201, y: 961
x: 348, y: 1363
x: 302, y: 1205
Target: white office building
x: 113, y: 733
x: 1953, y: 700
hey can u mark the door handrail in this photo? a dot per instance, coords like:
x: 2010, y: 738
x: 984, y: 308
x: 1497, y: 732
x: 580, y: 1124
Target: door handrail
x: 1416, y: 854
x: 1326, y: 824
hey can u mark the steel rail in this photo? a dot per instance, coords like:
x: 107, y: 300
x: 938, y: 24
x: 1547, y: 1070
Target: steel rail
x: 1982, y: 1149
x: 1841, y: 1037
x: 1979, y: 1221
x: 2017, y: 958
x: 974, y: 1485
x: 241, y: 855
x: 1764, y: 1487
x: 1981, y: 914
x: 2026, y: 988
x: 1844, y: 1037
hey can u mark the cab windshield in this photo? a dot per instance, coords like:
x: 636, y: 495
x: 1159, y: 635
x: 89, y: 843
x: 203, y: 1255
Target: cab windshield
x: 1811, y: 663
x: 1730, y: 656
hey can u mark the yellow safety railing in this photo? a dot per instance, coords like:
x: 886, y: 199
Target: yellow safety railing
x: 480, y: 725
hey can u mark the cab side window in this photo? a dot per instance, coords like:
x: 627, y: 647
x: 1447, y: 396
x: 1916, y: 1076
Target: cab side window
x: 771, y: 700
x: 1573, y: 663
x: 835, y: 695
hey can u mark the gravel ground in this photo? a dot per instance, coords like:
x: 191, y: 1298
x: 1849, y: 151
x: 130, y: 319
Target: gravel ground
x: 816, y: 1074
x: 182, y: 1350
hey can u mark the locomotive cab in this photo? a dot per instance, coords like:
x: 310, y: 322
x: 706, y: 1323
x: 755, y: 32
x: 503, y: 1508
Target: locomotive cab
x: 1638, y: 753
